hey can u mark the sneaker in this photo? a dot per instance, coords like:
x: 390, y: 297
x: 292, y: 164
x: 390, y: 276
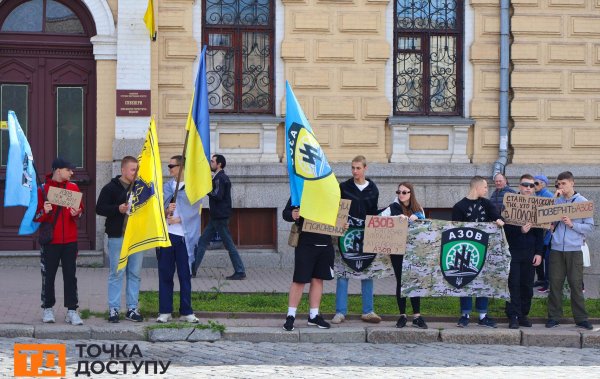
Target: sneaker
x: 463, y: 321
x: 318, y: 321
x: 191, y: 318
x: 487, y: 322
x: 585, y: 325
x: 539, y: 283
x: 163, y: 318
x: 73, y: 318
x: 113, y: 315
x: 338, y: 318
x: 419, y: 322
x: 237, y: 276
x: 289, y: 323
x: 371, y: 317
x: 513, y: 322
x: 401, y: 323
x: 524, y: 321
x: 552, y: 323
x: 48, y: 315
x: 134, y: 315
x: 543, y: 290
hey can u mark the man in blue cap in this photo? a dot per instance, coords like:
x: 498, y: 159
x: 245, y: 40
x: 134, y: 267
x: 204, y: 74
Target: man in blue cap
x: 541, y: 182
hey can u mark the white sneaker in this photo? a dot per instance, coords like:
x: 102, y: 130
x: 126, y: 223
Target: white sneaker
x: 338, y: 318
x: 164, y: 317
x: 190, y: 318
x: 48, y: 315
x: 73, y: 318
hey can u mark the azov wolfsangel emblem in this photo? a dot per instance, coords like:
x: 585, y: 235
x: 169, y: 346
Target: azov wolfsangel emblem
x: 140, y: 194
x: 351, y: 249
x: 308, y: 159
x: 462, y: 255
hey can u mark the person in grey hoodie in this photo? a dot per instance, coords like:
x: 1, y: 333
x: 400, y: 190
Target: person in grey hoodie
x: 566, y: 258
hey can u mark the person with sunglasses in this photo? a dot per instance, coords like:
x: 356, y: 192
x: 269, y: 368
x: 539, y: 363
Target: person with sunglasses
x: 405, y: 206
x: 526, y: 246
x: 541, y: 184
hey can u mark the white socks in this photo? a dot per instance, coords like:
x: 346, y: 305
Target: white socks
x: 482, y: 316
x: 314, y: 312
x: 292, y: 312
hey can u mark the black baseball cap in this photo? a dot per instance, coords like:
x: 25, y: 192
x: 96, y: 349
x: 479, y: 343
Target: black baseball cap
x: 60, y: 162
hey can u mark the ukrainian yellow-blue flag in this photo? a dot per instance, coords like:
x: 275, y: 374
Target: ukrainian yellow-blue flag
x: 313, y: 185
x: 146, y: 225
x: 197, y: 175
x: 149, y: 20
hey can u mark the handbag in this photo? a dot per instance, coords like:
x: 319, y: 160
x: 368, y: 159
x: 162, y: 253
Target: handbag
x: 294, y: 235
x: 47, y: 229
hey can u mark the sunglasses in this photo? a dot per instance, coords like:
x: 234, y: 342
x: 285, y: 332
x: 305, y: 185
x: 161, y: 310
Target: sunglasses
x: 172, y: 165
x: 536, y: 183
x: 530, y: 185
x: 402, y: 192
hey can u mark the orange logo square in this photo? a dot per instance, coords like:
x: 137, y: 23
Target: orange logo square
x: 40, y: 359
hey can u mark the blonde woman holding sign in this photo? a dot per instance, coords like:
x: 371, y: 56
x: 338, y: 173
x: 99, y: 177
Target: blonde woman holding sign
x: 406, y: 206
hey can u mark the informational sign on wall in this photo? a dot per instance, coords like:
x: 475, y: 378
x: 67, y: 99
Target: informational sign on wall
x: 132, y: 102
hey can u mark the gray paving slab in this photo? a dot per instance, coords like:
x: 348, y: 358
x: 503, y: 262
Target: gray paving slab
x: 334, y: 335
x: 169, y: 334
x: 62, y: 332
x: 204, y: 335
x: 260, y: 334
x: 480, y: 335
x: 591, y: 339
x: 16, y: 330
x: 403, y: 335
x: 117, y: 332
x: 562, y: 336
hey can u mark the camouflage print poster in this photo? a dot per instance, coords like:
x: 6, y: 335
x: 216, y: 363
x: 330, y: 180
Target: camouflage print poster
x: 446, y: 258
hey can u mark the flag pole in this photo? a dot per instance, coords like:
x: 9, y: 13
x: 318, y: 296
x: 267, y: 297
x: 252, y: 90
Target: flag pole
x: 182, y: 166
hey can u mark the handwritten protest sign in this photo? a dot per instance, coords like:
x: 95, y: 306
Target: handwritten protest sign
x: 338, y: 229
x: 385, y: 235
x: 64, y: 197
x: 572, y: 210
x: 521, y: 209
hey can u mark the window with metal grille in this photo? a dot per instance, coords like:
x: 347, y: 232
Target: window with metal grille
x: 240, y: 55
x: 428, y: 47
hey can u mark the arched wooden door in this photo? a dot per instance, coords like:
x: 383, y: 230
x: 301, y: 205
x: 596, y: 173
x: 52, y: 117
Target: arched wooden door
x: 47, y: 76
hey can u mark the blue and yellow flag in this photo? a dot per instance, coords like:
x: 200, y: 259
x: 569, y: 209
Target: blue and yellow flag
x: 21, y: 178
x: 313, y: 185
x: 149, y: 20
x: 146, y: 225
x: 197, y: 175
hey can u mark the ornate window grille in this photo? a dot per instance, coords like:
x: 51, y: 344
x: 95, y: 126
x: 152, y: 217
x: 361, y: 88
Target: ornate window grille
x: 428, y: 67
x: 240, y: 55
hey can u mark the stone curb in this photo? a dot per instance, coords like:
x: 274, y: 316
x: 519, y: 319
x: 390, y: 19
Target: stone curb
x: 538, y: 335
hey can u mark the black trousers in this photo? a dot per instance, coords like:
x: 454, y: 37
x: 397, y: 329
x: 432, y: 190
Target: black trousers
x: 414, y: 301
x: 520, y: 286
x: 51, y: 256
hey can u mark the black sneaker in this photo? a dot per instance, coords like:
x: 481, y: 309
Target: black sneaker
x: 552, y: 323
x: 237, y: 276
x: 134, y: 315
x: 318, y: 321
x: 289, y: 323
x: 513, y: 322
x: 113, y: 315
x: 539, y: 283
x: 524, y: 321
x: 585, y: 325
x: 487, y: 322
x: 419, y: 322
x: 463, y: 321
x: 401, y: 323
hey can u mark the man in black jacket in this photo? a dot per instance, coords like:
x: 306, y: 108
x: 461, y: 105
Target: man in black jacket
x: 313, y: 263
x: 112, y: 204
x: 220, y: 210
x: 526, y: 246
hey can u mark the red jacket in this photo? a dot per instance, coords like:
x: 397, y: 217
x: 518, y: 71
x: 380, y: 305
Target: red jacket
x: 65, y: 229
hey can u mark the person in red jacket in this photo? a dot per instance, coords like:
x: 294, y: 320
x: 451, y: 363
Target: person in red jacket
x: 62, y: 249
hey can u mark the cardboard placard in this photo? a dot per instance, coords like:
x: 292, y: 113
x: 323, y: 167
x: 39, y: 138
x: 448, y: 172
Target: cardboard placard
x: 572, y: 210
x: 338, y: 229
x: 385, y: 235
x: 64, y: 197
x: 521, y: 209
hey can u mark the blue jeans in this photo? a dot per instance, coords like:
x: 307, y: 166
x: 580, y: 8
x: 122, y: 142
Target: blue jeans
x: 115, y: 278
x: 341, y: 295
x: 168, y: 258
x: 466, y: 304
x: 220, y: 226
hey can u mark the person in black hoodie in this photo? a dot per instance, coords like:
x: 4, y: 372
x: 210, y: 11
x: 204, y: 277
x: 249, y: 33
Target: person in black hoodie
x: 364, y: 195
x: 113, y: 204
x: 220, y: 210
x: 313, y: 263
x: 526, y: 246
